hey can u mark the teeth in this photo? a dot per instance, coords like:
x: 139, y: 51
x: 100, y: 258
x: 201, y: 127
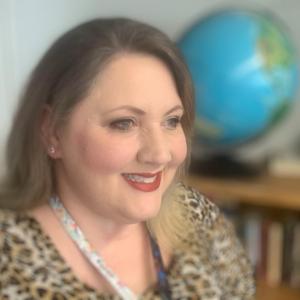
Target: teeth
x: 141, y: 179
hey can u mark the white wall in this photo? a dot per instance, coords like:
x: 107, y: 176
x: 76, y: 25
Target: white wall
x: 27, y: 27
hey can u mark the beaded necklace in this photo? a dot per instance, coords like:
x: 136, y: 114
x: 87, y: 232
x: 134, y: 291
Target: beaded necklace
x: 97, y: 261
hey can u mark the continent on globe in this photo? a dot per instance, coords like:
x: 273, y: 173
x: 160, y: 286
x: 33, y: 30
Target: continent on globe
x: 245, y: 71
x: 274, y: 46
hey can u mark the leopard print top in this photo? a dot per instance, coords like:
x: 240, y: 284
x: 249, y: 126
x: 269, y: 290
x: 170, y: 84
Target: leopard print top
x: 214, y: 268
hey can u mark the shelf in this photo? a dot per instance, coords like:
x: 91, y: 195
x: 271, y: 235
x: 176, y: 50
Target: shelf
x: 265, y: 292
x: 263, y: 190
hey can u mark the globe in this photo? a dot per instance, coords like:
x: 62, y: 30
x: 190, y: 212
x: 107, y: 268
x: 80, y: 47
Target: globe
x: 245, y: 73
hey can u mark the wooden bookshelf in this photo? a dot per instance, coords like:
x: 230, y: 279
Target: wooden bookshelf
x: 263, y: 190
x: 282, y: 193
x: 264, y: 292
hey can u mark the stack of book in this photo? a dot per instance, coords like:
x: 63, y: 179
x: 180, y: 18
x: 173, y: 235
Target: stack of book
x: 272, y: 242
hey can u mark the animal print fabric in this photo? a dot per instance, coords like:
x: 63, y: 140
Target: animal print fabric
x: 214, y: 267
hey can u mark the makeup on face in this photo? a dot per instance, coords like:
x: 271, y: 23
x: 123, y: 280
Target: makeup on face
x: 123, y: 144
x: 145, y: 182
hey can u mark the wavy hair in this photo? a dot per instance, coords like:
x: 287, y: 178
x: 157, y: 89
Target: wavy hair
x: 61, y: 80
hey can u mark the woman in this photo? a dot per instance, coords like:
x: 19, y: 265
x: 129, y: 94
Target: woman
x: 91, y: 204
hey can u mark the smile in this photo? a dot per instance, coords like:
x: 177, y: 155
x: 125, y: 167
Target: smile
x: 146, y: 182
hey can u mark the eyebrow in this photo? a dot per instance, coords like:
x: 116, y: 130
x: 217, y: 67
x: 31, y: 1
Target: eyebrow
x: 139, y: 111
x: 177, y: 107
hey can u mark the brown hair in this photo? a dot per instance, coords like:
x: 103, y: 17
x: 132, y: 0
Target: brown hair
x: 61, y: 80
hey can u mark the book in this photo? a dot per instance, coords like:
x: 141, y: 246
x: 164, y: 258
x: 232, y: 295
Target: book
x: 262, y: 265
x: 274, y: 253
x: 252, y: 238
x: 295, y: 256
x: 288, y: 240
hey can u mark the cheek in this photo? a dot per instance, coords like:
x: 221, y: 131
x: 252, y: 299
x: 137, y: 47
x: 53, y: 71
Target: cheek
x: 104, y: 153
x: 179, y: 149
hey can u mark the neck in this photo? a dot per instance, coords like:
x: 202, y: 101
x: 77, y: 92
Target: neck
x: 131, y: 239
x: 103, y: 232
x: 107, y: 238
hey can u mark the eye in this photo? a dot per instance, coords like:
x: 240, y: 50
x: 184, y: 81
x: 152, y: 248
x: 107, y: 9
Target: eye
x: 122, y: 124
x: 173, y: 122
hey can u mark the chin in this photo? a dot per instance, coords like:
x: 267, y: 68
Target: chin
x: 150, y: 215
x: 146, y: 205
x: 146, y: 213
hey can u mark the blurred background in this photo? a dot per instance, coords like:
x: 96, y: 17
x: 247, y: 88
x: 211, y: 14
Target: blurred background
x: 249, y: 161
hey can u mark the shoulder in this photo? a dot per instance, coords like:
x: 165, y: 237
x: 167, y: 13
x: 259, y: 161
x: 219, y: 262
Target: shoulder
x: 202, y: 216
x: 13, y: 247
x: 14, y: 223
x: 199, y: 209
x: 213, y: 238
x: 27, y: 261
x: 18, y: 237
x: 8, y: 222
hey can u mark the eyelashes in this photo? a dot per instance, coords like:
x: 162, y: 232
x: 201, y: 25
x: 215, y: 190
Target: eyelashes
x: 128, y: 124
x: 122, y: 124
x: 173, y: 122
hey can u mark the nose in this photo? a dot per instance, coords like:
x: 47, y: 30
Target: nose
x: 155, y: 149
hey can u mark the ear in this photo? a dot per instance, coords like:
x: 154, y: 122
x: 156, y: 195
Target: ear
x: 49, y: 134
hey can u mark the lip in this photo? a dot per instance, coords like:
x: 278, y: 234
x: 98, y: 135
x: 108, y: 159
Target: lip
x: 142, y: 186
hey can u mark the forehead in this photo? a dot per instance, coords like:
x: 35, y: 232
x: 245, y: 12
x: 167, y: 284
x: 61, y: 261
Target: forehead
x: 136, y: 78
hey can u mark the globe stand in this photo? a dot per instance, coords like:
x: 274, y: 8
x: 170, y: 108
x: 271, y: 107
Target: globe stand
x: 224, y: 165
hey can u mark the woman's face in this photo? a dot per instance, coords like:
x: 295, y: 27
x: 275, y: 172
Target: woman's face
x: 123, y: 144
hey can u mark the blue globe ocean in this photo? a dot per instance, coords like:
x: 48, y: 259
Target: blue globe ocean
x: 245, y: 73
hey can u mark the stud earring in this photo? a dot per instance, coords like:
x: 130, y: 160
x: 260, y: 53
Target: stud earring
x: 51, y: 150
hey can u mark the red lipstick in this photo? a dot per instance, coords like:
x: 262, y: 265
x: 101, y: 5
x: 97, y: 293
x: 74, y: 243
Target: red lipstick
x: 145, y: 182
